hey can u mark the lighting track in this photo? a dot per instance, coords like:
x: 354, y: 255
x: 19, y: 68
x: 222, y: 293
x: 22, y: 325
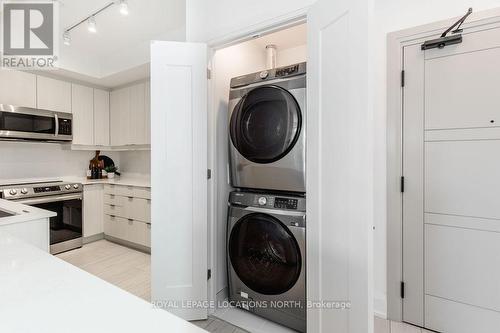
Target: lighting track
x: 90, y: 19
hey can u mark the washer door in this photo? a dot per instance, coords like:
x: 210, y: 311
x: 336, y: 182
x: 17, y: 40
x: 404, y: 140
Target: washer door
x: 265, y: 124
x: 264, y: 254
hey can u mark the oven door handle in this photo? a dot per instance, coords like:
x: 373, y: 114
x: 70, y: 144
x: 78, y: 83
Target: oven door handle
x: 47, y: 199
x: 57, y: 124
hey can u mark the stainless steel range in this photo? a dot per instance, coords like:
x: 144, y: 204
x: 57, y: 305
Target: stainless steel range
x: 63, y: 198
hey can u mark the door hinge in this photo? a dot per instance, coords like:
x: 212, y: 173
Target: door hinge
x: 209, y: 74
x: 402, y: 289
x: 402, y: 78
x: 402, y: 184
x: 209, y: 274
x: 209, y: 174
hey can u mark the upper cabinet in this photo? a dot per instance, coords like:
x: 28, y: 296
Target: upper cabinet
x: 54, y: 95
x: 82, y: 105
x: 130, y: 115
x: 101, y: 118
x: 17, y: 88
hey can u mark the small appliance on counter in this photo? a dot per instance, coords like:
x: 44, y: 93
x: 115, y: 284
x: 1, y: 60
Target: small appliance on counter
x: 63, y: 198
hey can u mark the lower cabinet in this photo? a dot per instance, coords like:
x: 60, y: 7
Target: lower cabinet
x: 127, y: 214
x: 93, y: 207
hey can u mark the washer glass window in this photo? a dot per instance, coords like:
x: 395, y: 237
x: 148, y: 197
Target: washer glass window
x: 266, y: 124
x: 264, y: 254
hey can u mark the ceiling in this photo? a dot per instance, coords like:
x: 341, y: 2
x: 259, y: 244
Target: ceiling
x: 119, y: 51
x: 284, y: 39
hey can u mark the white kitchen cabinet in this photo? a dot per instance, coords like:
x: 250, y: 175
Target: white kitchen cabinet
x: 130, y: 115
x: 101, y: 117
x: 82, y: 106
x: 137, y: 114
x: 54, y: 95
x: 93, y: 210
x: 127, y: 213
x: 17, y: 88
x: 120, y: 117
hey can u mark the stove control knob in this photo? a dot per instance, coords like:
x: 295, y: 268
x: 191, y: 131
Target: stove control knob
x: 76, y: 186
x: 67, y: 187
x: 262, y: 201
x: 263, y: 75
x: 13, y: 192
x: 24, y: 191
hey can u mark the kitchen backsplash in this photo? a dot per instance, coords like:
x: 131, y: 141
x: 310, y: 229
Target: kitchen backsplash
x: 21, y: 160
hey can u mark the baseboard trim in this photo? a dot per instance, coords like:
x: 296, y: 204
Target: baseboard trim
x: 93, y: 238
x: 131, y: 245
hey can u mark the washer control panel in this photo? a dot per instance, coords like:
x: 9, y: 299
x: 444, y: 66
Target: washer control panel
x: 285, y: 203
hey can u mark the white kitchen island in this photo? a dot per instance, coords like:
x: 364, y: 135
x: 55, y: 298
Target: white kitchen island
x: 29, y: 224
x: 40, y: 293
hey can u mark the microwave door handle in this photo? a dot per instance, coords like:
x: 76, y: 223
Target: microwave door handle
x: 57, y: 124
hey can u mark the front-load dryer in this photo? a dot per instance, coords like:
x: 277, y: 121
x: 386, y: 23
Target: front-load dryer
x: 267, y: 112
x: 266, y: 256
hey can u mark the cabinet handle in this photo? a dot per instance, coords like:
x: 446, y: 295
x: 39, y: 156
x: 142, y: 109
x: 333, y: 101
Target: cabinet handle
x: 131, y: 220
x: 130, y: 198
x: 112, y: 216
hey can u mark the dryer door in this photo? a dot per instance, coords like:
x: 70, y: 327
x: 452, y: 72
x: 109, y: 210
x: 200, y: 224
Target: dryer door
x: 264, y: 254
x: 265, y: 124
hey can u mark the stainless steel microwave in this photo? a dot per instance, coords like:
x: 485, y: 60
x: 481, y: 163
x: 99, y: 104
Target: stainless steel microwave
x: 22, y: 123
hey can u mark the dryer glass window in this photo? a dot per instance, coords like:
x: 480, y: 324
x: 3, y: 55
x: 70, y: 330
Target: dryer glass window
x: 264, y: 254
x: 266, y: 124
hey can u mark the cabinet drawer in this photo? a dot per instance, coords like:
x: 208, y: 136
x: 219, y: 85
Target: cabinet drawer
x: 115, y: 210
x: 127, y: 229
x: 112, y: 199
x: 142, y: 192
x: 137, y: 208
x: 148, y: 235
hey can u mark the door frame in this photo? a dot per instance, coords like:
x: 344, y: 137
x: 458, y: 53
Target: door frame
x: 396, y: 41
x: 267, y: 27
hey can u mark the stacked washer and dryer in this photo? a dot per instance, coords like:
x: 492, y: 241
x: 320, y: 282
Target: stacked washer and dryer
x: 267, y: 211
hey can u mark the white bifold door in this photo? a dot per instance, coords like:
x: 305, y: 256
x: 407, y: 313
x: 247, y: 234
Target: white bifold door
x: 339, y: 172
x: 451, y: 200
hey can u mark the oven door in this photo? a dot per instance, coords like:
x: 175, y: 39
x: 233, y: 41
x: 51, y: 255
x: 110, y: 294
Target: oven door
x: 66, y: 230
x: 34, y: 124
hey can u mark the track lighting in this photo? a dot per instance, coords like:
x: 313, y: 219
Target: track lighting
x: 92, y: 26
x: 91, y: 23
x: 67, y: 38
x: 123, y: 7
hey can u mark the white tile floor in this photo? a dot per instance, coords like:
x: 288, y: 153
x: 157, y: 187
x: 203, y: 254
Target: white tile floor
x: 130, y: 270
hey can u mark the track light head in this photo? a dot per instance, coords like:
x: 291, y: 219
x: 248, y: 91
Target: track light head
x: 92, y: 26
x: 67, y: 38
x: 123, y: 7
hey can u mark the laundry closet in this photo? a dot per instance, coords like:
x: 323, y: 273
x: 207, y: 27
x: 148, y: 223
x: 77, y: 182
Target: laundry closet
x: 256, y: 131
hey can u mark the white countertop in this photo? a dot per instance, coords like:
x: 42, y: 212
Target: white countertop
x: 23, y: 213
x: 41, y: 293
x: 123, y: 180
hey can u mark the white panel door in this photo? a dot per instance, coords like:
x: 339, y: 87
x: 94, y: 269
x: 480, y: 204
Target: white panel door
x: 451, y: 212
x: 101, y: 117
x: 18, y: 88
x: 339, y: 166
x: 179, y: 174
x: 82, y: 106
x: 54, y: 95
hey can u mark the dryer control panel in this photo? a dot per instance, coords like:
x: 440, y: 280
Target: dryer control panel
x: 269, y: 201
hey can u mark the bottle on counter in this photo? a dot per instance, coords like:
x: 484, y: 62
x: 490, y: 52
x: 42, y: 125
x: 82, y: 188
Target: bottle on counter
x: 96, y: 166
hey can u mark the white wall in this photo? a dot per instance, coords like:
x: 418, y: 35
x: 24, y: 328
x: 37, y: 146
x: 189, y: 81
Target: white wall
x: 207, y: 20
x: 230, y: 62
x: 136, y: 163
x: 22, y: 160
x: 393, y: 15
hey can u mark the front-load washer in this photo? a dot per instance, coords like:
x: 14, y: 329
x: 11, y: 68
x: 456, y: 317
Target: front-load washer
x: 266, y: 256
x: 267, y: 112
